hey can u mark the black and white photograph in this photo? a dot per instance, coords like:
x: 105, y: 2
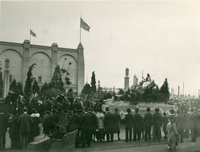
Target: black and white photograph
x: 99, y: 76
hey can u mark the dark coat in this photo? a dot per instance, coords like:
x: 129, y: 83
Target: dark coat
x: 157, y: 119
x: 129, y: 120
x: 14, y: 133
x: 148, y: 120
x: 109, y: 121
x: 193, y: 120
x: 138, y: 120
x: 164, y: 122
x: 117, y: 122
x: 180, y: 121
x: 85, y: 121
x: 25, y: 121
x: 74, y: 123
x: 46, y: 124
x: 3, y: 123
x: 93, y: 121
x: 53, y: 121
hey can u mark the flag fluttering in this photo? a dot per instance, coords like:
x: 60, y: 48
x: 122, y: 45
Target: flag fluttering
x: 32, y: 33
x: 84, y: 25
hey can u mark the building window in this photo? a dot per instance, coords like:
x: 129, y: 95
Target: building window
x: 40, y: 79
x: 10, y: 78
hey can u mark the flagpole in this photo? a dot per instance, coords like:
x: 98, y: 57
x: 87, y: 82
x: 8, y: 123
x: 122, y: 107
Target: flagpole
x: 80, y: 29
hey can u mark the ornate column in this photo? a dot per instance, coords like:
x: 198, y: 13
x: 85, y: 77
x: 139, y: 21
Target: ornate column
x: 6, y: 78
x: 81, y: 68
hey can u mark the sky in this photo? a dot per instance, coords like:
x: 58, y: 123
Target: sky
x: 161, y: 38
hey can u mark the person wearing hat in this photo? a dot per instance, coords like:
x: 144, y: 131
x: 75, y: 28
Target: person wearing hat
x: 85, y: 126
x: 164, y: 124
x: 109, y: 125
x: 74, y: 124
x: 179, y: 124
x: 137, y: 125
x: 171, y: 133
x: 117, y: 123
x: 14, y: 131
x: 186, y: 124
x: 3, y: 129
x: 93, y: 124
x: 193, y: 123
x: 25, y: 121
x: 157, y: 124
x: 35, y: 125
x: 45, y: 123
x: 54, y: 118
x: 148, y: 124
x: 129, y: 122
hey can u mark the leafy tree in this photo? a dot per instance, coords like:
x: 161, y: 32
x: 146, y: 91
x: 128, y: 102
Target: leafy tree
x: 1, y: 84
x: 93, y: 83
x: 67, y: 81
x: 19, y: 87
x: 35, y: 87
x: 44, y: 87
x: 29, y: 80
x: 13, y: 86
x: 121, y: 92
x: 86, y: 89
x: 164, y: 90
x: 57, y: 79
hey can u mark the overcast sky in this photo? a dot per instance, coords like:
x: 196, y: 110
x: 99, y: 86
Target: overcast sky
x: 160, y: 38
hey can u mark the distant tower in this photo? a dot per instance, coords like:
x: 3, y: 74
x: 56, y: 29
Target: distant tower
x: 172, y: 92
x: 135, y: 82
x: 126, y: 80
x: 178, y: 91
x: 99, y: 84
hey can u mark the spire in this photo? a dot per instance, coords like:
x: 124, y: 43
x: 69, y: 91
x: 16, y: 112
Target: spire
x: 80, y: 46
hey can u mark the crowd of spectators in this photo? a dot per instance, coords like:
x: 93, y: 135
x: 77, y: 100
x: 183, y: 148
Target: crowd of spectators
x: 99, y: 126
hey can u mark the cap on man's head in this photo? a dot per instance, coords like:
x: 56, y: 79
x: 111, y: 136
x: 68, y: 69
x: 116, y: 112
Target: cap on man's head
x: 107, y: 108
x: 34, y: 110
x: 136, y: 109
x: 25, y: 109
x: 128, y: 110
x: 164, y: 113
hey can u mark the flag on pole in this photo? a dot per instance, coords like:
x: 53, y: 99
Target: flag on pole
x: 32, y: 33
x: 84, y: 25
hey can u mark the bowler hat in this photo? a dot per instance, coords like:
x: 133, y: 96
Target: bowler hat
x: 128, y: 110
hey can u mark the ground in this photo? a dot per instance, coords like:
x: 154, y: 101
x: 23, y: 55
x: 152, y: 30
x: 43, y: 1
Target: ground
x: 139, y: 146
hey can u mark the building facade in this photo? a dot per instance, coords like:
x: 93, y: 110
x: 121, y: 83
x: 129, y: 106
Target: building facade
x: 23, y: 55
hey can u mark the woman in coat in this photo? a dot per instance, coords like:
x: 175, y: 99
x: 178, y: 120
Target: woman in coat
x: 14, y: 132
x: 171, y: 134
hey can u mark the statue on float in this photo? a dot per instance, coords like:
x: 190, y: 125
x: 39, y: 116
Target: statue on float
x: 146, y: 82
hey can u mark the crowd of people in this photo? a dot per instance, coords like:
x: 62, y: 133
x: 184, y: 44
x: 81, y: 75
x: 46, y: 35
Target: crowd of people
x: 99, y: 126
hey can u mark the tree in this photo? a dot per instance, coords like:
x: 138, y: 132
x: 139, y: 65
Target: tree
x: 35, y: 87
x: 1, y: 84
x: 67, y: 81
x: 121, y: 92
x: 164, y: 90
x: 57, y: 79
x: 19, y: 87
x: 29, y: 80
x: 13, y: 86
x: 93, y: 83
x: 86, y: 89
